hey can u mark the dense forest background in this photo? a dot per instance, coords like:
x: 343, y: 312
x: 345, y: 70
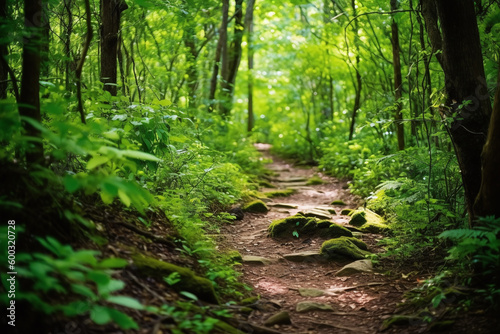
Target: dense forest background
x: 150, y: 109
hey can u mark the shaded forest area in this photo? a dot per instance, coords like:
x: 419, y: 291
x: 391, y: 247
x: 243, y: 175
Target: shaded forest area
x: 129, y: 131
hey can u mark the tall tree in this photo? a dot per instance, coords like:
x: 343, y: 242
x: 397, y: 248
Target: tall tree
x: 111, y: 11
x: 358, y: 85
x: 250, y: 59
x: 233, y: 62
x: 29, y: 103
x: 468, y: 104
x: 4, y: 73
x: 398, y: 80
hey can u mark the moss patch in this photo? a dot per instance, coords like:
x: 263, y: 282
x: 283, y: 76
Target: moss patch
x: 358, y: 218
x: 190, y: 282
x: 279, y: 193
x: 306, y: 226
x: 256, y: 206
x: 346, y: 212
x: 338, y: 202
x: 315, y: 180
x: 374, y: 228
x: 344, y: 247
x: 368, y: 221
x: 234, y: 256
x: 266, y: 184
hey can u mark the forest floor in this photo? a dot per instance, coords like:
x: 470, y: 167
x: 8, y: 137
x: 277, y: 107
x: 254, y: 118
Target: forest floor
x: 359, y: 303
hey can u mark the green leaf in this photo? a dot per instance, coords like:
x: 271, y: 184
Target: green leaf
x: 189, y: 295
x: 112, y: 286
x: 140, y: 155
x: 123, y: 320
x: 71, y: 183
x: 124, y: 198
x: 126, y: 301
x: 100, y: 278
x: 100, y: 314
x: 97, y: 161
x: 83, y: 290
x: 112, y: 262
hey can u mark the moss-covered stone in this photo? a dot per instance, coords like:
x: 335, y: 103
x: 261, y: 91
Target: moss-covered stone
x: 256, y: 206
x: 315, y: 180
x: 266, y: 184
x: 374, y: 228
x: 285, y: 226
x: 279, y: 193
x: 234, y: 256
x: 307, y: 226
x: 358, y: 218
x: 249, y: 301
x: 189, y: 281
x: 344, y: 247
x: 338, y: 202
x: 346, y: 212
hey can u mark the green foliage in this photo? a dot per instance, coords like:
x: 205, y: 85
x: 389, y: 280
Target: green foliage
x: 79, y: 274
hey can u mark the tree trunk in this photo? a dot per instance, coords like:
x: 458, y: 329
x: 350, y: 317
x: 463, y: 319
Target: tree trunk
x: 220, y: 49
x: 489, y: 194
x: 234, y: 58
x: 398, y: 81
x: 67, y: 44
x: 4, y: 51
x: 358, y: 83
x: 29, y: 103
x: 110, y: 25
x: 465, y: 81
x: 249, y: 27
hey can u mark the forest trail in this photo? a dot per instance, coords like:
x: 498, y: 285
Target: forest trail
x: 361, y: 308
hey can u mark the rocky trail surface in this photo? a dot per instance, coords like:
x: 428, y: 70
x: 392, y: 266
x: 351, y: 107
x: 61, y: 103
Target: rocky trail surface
x: 301, y: 291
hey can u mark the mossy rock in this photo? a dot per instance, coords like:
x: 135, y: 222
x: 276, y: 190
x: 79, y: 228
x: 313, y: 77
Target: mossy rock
x: 285, y: 226
x: 338, y: 202
x: 344, y: 247
x: 346, y: 212
x: 279, y: 193
x: 307, y: 226
x: 266, y: 184
x: 375, y: 228
x: 234, y: 256
x: 249, y: 300
x: 190, y: 282
x: 315, y: 180
x: 358, y: 218
x: 256, y: 206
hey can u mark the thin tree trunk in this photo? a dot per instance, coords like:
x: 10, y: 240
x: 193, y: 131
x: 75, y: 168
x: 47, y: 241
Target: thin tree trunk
x: 234, y: 58
x: 110, y: 19
x: 358, y: 83
x: 249, y: 27
x: 30, y: 90
x: 67, y: 44
x: 219, y: 51
x: 398, y: 81
x: 79, y: 68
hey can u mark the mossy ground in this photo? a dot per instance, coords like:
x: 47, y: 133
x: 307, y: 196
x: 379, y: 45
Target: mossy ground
x: 315, y: 180
x: 279, y: 193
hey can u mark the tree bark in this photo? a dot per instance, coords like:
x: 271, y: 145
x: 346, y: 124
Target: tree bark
x: 234, y: 58
x: 465, y: 81
x: 489, y: 193
x: 398, y: 80
x: 29, y: 103
x: 110, y: 25
x: 220, y: 52
x: 249, y: 27
x: 4, y: 51
x: 358, y: 84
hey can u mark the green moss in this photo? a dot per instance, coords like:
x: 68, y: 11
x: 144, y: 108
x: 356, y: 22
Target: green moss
x: 306, y: 226
x: 358, y: 218
x: 344, y: 247
x: 374, y: 228
x: 346, y: 212
x: 224, y: 327
x: 338, y: 202
x: 234, y: 256
x: 249, y: 300
x: 285, y: 226
x: 266, y: 184
x: 279, y: 193
x: 190, y: 282
x: 315, y: 180
x: 256, y: 206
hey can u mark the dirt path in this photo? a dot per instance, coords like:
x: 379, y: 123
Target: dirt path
x: 361, y: 309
